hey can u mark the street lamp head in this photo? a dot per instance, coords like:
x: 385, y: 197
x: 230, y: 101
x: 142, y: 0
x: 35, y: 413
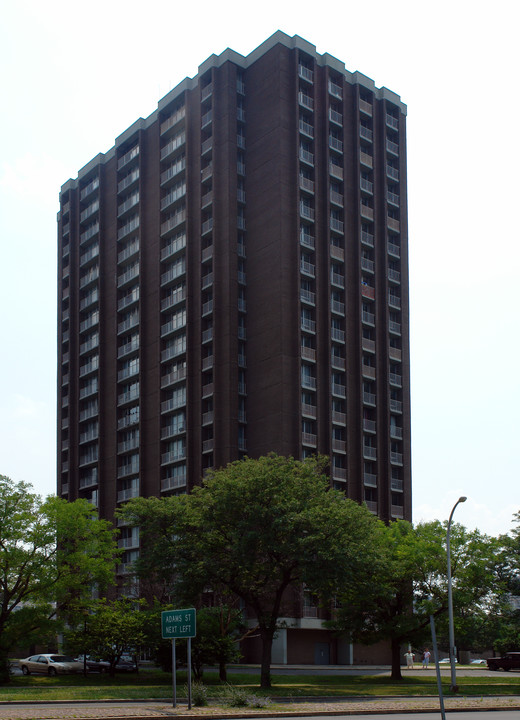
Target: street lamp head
x: 463, y: 499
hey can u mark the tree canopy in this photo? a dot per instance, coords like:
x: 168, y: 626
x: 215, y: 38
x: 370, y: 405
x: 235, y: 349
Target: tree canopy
x: 258, y: 527
x: 409, y: 584
x: 51, y: 554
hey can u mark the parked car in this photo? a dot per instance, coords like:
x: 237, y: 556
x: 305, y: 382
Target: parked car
x: 478, y: 661
x: 49, y: 664
x: 447, y: 660
x: 103, y: 666
x: 509, y: 661
x: 93, y: 665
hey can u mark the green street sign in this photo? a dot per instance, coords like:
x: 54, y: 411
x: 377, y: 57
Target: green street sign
x: 178, y: 624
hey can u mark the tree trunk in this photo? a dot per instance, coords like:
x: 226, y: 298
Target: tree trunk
x: 396, y: 660
x: 267, y: 643
x: 222, y: 671
x: 5, y: 675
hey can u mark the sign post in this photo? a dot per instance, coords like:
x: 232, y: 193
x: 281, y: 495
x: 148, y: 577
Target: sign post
x: 179, y: 624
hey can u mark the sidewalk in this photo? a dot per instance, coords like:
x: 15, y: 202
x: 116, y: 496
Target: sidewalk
x: 124, y: 710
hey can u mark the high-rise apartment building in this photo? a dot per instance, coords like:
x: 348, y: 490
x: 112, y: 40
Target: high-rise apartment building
x: 233, y: 279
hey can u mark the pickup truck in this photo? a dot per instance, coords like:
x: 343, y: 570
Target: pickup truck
x: 510, y: 661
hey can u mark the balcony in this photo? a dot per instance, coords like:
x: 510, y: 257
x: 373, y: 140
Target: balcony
x: 337, y: 335
x: 207, y: 417
x: 339, y: 390
x: 306, y: 128
x: 306, y: 184
x: 335, y: 90
x: 309, y: 439
x: 174, y: 456
x: 305, y: 101
x: 307, y: 268
x: 366, y: 212
x: 206, y: 119
x: 370, y: 479
x: 366, y: 185
x: 394, y: 275
x: 306, y: 239
x: 173, y: 377
x: 337, y: 253
x: 368, y: 345
x: 392, y: 173
x: 335, y: 117
x: 396, y: 484
x: 396, y: 458
x: 173, y: 222
x: 308, y: 325
x: 337, y: 279
x: 365, y: 133
x: 396, y: 433
x: 128, y: 227
x: 171, y: 121
x: 336, y: 225
x: 128, y: 396
x: 306, y: 212
x: 309, y: 383
x: 173, y: 145
x: 394, y: 249
x: 337, y: 307
x: 392, y: 198
x: 393, y: 224
x: 88, y: 189
x: 309, y: 410
x: 392, y: 122
x: 306, y: 157
x: 365, y: 107
x: 336, y: 170
x: 308, y: 353
x: 305, y: 73
x: 366, y: 159
x: 336, y: 198
x: 367, y: 238
x: 124, y: 495
x: 128, y: 157
x: 339, y: 473
x: 396, y: 406
x: 307, y: 296
x: 367, y: 291
x: 367, y: 264
x: 368, y: 318
x: 369, y: 425
x: 395, y: 379
x: 394, y: 301
x: 339, y: 418
x: 128, y: 204
x: 129, y: 347
x: 394, y: 327
x: 368, y: 371
x: 339, y: 446
x: 369, y: 398
x: 172, y: 483
x: 335, y: 144
x: 369, y: 452
x: 128, y: 181
x: 372, y: 506
x: 394, y: 353
x: 392, y: 147
x: 174, y: 169
x: 207, y: 226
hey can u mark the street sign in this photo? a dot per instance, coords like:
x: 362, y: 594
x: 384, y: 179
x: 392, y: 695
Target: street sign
x: 177, y: 624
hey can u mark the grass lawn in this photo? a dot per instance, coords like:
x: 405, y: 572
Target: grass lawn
x: 152, y: 684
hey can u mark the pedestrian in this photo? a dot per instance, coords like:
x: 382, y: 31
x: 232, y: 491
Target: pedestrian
x: 426, y: 659
x: 409, y: 659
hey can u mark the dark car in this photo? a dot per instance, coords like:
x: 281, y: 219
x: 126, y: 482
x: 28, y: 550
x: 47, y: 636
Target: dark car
x: 93, y: 665
x: 509, y: 661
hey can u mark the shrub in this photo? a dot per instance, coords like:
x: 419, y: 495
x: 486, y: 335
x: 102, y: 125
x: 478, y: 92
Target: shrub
x: 199, y: 694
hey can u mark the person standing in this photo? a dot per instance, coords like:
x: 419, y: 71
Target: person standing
x: 409, y: 656
x: 426, y: 659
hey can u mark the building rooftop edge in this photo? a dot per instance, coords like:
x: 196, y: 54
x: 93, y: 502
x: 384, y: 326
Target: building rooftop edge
x: 229, y: 55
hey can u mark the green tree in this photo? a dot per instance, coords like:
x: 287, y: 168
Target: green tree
x: 41, y: 578
x: 112, y: 629
x: 257, y: 527
x: 409, y: 584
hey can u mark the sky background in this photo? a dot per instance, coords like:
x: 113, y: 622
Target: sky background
x: 74, y: 76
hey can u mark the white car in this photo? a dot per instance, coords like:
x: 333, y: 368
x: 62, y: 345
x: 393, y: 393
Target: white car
x: 50, y: 664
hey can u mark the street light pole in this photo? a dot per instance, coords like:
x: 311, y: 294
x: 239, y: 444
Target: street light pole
x: 453, y: 686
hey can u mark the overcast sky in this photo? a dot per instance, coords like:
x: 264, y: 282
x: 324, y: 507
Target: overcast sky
x: 76, y: 75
